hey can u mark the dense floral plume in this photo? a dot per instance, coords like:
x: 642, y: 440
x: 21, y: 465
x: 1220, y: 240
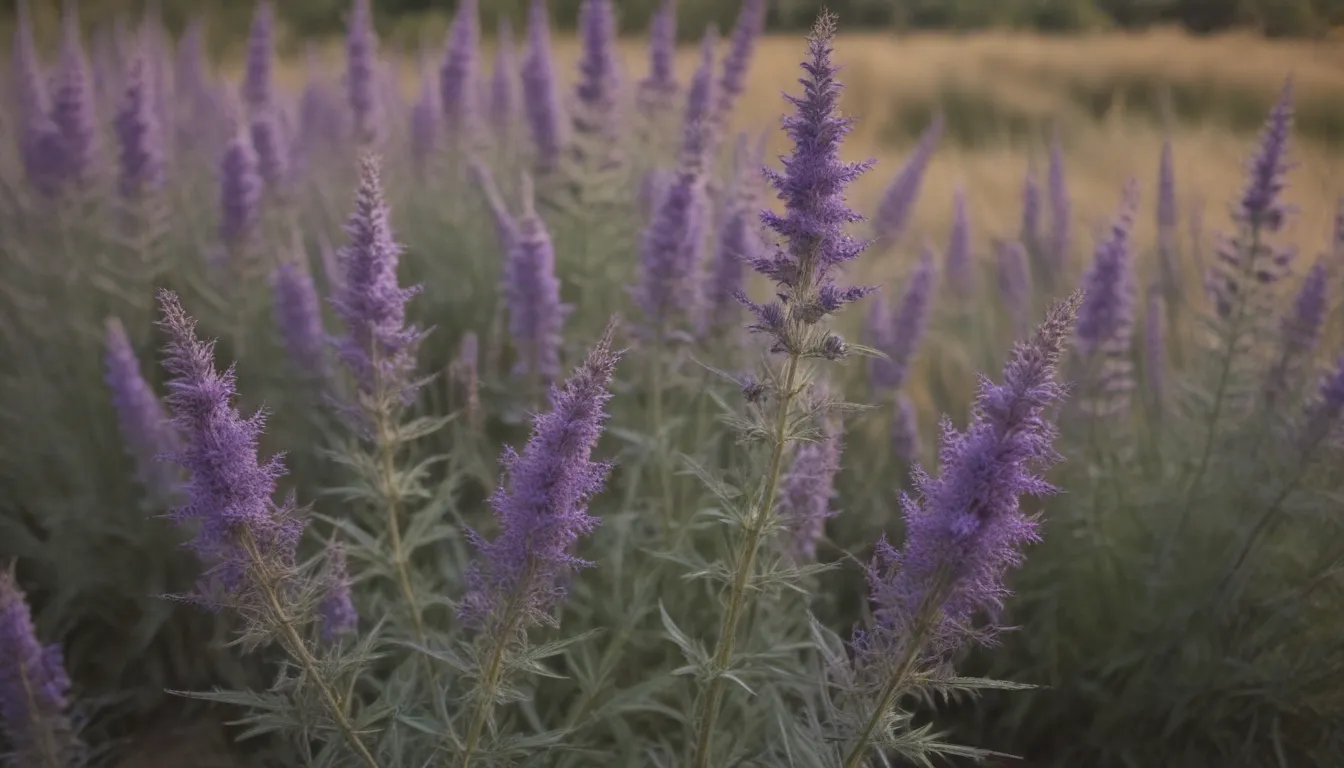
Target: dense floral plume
x: 34, y: 686
x: 298, y: 317
x: 73, y: 105
x: 240, y: 187
x: 541, y: 98
x: 1261, y: 203
x: 140, y: 414
x: 1106, y: 318
x: 670, y: 281
x: 898, y: 334
x: 379, y: 348
x: 361, y: 66
x: 965, y: 528
x: 1246, y: 259
x: 532, y: 292
x: 749, y: 27
x: 812, y: 186
x: 897, y: 205
x: 458, y: 76
x: 738, y: 241
x: 1107, y: 313
x: 139, y: 134
x: 229, y: 493
x: 596, y: 92
x: 257, y: 88
x: 1301, y: 329
x: 541, y: 504
x: 658, y: 90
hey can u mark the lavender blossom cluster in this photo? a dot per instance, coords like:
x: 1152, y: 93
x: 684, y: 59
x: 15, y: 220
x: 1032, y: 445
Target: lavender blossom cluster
x: 700, y: 552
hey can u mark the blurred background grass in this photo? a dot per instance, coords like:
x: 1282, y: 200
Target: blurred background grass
x: 1132, y: 73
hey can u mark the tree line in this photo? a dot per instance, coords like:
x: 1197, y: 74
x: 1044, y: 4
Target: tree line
x: 304, y: 18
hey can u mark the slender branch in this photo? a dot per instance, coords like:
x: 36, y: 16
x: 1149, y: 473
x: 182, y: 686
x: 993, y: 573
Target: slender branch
x: 298, y: 650
x: 745, y: 564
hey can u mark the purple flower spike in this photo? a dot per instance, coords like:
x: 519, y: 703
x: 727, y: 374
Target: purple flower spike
x: 1261, y: 205
x: 34, y: 685
x: 738, y: 242
x: 140, y: 414
x: 336, y: 612
x: 138, y: 134
x: 749, y: 27
x: 1302, y: 327
x: 899, y: 336
x: 229, y: 494
x: 657, y: 91
x: 541, y: 504
x: 1246, y: 259
x: 897, y: 205
x: 503, y: 98
x: 1061, y: 206
x: 379, y: 348
x: 257, y: 87
x: 239, y: 192
x: 541, y: 99
x: 73, y: 105
x: 1106, y: 317
x: 958, y: 267
x: 670, y: 278
x: 965, y: 528
x: 532, y: 292
x: 361, y: 72
x: 298, y: 317
x: 808, y: 488
x: 460, y: 71
x: 596, y: 93
x: 812, y: 186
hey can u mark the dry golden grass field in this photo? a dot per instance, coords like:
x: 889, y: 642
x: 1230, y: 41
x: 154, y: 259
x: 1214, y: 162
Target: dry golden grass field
x: 1113, y: 97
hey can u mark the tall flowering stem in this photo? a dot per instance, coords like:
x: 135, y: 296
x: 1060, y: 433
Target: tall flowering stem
x: 379, y: 350
x: 34, y: 686
x: 1246, y: 265
x: 1106, y: 318
x: 964, y: 530
x: 541, y: 101
x: 520, y: 578
x: 361, y: 57
x: 144, y: 424
x: 247, y: 539
x: 812, y: 187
